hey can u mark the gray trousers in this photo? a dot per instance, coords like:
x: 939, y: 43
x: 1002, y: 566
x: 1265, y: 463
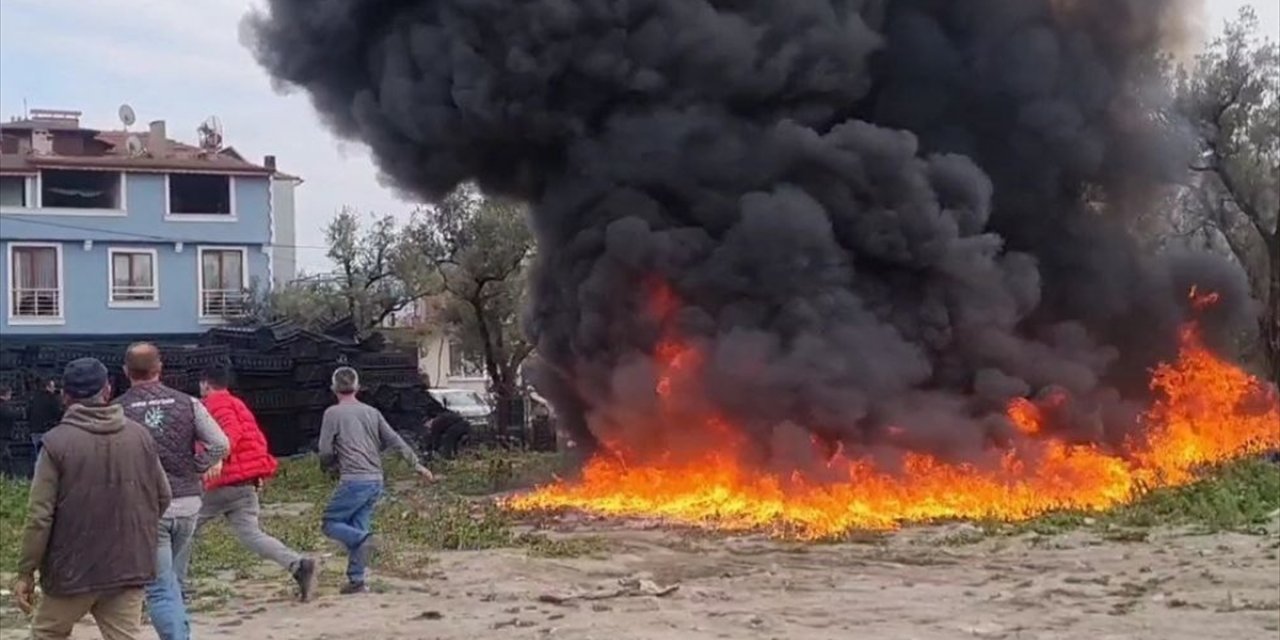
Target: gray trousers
x: 239, y: 504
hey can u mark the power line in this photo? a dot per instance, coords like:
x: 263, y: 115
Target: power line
x: 139, y: 236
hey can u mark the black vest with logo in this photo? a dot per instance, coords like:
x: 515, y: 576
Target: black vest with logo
x: 169, y: 416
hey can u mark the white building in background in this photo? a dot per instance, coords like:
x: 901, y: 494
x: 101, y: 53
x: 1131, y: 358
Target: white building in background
x: 440, y: 358
x: 446, y: 367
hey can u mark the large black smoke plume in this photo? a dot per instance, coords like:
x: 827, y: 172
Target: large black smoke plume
x: 881, y: 219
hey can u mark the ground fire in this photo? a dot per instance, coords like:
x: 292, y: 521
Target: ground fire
x: 1205, y: 411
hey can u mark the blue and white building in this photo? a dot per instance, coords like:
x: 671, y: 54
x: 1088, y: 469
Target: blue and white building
x: 112, y: 233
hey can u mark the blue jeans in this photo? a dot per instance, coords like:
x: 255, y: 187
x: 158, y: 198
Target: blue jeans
x: 349, y: 517
x: 164, y: 596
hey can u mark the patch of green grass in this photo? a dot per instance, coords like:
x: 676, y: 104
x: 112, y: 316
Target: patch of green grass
x: 541, y: 546
x: 488, y: 471
x: 218, y: 551
x: 1234, y: 497
x: 440, y: 521
x: 1237, y: 496
x: 299, y: 480
x: 13, y: 511
x: 1048, y: 524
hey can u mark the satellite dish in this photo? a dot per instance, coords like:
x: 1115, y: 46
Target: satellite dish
x: 134, y: 145
x: 126, y: 115
x: 210, y: 134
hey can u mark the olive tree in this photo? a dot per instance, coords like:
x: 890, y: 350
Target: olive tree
x: 1230, y: 97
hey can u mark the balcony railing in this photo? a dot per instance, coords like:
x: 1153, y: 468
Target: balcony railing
x: 133, y: 293
x: 222, y: 303
x: 36, y: 302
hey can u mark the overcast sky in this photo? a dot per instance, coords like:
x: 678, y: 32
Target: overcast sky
x: 182, y: 61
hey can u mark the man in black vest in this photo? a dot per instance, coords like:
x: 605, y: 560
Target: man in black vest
x: 179, y: 423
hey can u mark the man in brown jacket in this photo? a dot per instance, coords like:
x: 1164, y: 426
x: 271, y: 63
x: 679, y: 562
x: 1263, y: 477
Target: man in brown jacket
x: 97, y: 495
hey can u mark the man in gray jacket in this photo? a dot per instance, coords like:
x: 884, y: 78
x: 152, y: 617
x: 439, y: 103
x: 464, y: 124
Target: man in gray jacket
x: 191, y: 447
x: 352, y: 438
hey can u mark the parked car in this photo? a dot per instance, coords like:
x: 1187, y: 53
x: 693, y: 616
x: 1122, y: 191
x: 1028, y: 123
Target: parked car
x: 471, y: 405
x: 450, y: 425
x: 462, y: 418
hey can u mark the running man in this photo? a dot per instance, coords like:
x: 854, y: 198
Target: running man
x: 353, y: 436
x: 234, y: 493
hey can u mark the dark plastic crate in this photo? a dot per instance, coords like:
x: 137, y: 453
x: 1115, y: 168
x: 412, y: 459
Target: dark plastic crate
x: 313, y: 372
x: 11, y: 359
x: 270, y: 400
x: 254, y: 362
x: 314, y: 398
x: 246, y: 337
x: 386, y: 360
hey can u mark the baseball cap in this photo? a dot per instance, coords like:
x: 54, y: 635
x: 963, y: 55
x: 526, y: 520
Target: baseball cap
x: 84, y: 378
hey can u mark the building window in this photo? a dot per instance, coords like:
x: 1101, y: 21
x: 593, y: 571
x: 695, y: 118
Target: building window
x: 35, y: 285
x: 223, y: 282
x: 13, y: 191
x: 62, y: 189
x: 201, y: 194
x: 134, y: 277
x: 464, y: 362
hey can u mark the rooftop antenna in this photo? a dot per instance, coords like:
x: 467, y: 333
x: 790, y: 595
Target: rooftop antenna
x: 210, y: 134
x: 134, y: 145
x: 127, y: 116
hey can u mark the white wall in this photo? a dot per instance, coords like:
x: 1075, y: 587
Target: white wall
x: 434, y: 360
x: 284, y: 252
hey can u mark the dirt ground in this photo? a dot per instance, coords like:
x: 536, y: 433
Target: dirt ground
x: 928, y: 583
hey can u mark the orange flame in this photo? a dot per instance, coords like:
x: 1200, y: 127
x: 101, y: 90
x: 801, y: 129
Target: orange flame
x: 1207, y: 411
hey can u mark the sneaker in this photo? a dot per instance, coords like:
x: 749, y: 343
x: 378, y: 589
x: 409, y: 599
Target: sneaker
x: 351, y: 588
x: 365, y: 553
x: 305, y: 576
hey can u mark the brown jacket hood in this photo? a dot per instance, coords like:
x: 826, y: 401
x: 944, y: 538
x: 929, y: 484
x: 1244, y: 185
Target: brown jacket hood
x: 96, y: 497
x: 102, y: 418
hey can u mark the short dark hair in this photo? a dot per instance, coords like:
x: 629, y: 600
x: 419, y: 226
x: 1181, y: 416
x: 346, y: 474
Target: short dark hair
x: 218, y: 376
x: 142, y: 360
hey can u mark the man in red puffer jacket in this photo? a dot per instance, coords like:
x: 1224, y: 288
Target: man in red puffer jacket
x: 234, y: 493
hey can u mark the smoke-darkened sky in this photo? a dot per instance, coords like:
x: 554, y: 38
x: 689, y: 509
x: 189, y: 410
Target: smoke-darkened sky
x: 142, y: 50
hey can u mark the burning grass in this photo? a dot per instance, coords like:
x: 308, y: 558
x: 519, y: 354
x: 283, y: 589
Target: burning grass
x: 1207, y: 413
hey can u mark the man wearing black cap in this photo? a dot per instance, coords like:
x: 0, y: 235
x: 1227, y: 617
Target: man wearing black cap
x: 97, y: 493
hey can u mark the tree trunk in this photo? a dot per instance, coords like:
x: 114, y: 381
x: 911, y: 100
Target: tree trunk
x: 1269, y: 321
x: 486, y: 343
x: 502, y: 387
